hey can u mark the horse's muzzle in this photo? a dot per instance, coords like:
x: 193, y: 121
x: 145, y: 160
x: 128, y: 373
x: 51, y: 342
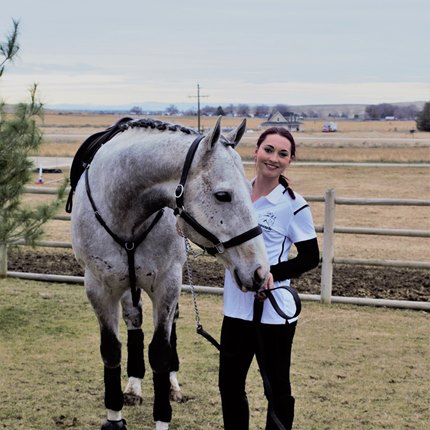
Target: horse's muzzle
x: 256, y: 282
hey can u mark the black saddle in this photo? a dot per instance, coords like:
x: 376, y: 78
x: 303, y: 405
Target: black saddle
x: 86, y: 152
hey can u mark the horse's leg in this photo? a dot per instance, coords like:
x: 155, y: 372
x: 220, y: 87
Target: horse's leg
x: 175, y: 389
x: 106, y: 308
x: 164, y: 298
x: 135, y: 359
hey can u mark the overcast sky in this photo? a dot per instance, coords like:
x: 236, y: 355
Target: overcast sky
x: 100, y: 52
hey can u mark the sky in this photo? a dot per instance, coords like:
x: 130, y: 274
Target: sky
x: 99, y: 53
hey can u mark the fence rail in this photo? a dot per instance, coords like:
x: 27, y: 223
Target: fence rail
x: 328, y: 229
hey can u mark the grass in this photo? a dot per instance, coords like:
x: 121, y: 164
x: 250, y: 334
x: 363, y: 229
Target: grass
x: 353, y: 367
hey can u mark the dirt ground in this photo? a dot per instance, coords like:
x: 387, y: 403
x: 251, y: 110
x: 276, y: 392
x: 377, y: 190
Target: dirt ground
x: 352, y: 281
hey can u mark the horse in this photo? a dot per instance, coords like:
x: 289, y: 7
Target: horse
x: 124, y: 234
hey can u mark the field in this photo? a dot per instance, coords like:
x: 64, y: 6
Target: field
x: 353, y: 367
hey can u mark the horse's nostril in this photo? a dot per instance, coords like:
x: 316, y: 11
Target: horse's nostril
x: 259, y: 275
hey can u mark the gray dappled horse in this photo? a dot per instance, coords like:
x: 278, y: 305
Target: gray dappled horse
x: 126, y: 241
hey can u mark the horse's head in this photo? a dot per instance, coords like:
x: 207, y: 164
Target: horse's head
x: 216, y: 209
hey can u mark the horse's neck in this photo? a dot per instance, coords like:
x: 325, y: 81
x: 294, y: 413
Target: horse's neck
x: 138, y: 175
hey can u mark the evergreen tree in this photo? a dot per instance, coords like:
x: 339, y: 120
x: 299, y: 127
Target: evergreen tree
x: 10, y: 47
x: 423, y: 118
x: 19, y: 137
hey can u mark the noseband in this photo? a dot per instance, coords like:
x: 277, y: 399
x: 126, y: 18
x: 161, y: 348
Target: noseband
x: 219, y: 246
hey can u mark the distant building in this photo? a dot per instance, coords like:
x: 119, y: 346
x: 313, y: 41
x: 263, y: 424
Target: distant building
x: 286, y: 119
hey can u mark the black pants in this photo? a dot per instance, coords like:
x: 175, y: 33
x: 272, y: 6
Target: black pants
x: 238, y: 346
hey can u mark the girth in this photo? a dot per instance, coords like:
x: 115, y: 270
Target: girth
x: 129, y: 245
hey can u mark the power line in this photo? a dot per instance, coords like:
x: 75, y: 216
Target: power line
x: 198, y: 106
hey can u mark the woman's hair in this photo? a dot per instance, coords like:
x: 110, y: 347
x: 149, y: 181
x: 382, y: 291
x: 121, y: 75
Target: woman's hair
x: 281, y: 131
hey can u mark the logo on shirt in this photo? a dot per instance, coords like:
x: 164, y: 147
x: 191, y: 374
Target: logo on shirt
x: 267, y: 220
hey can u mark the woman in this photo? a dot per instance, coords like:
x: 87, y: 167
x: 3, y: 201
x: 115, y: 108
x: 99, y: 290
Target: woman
x: 285, y: 219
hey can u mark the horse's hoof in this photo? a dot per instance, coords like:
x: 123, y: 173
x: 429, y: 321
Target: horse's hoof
x: 176, y: 396
x: 114, y: 425
x: 131, y: 399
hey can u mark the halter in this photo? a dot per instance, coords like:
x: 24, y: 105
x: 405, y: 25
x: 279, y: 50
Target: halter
x: 219, y: 247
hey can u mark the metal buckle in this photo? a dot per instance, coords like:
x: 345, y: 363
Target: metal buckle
x: 220, y: 248
x: 129, y: 246
x: 179, y: 192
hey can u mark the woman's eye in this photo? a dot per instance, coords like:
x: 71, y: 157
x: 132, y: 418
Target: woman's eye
x: 223, y: 196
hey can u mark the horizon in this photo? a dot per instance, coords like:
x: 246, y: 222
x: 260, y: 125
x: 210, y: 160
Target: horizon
x: 155, y: 107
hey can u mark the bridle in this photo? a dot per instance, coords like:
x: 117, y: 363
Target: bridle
x: 219, y: 247
x: 131, y: 245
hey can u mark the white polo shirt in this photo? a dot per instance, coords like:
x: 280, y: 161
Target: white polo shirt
x: 284, y: 221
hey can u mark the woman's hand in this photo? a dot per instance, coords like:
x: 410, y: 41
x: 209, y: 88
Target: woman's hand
x: 267, y: 286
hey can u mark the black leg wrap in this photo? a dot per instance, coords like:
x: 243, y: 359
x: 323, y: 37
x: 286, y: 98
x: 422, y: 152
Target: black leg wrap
x: 114, y: 398
x: 162, y: 409
x: 159, y: 352
x: 110, y: 348
x: 174, y: 359
x: 114, y: 425
x: 135, y: 359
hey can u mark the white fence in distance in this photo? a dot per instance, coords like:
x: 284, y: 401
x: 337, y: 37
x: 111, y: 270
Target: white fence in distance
x: 328, y: 229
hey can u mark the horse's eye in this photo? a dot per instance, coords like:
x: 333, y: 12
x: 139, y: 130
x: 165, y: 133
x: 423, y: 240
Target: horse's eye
x: 223, y: 196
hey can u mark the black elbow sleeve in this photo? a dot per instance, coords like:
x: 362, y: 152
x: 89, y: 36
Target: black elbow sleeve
x: 307, y: 258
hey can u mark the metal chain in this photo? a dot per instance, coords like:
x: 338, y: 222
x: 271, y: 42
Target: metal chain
x: 188, y: 251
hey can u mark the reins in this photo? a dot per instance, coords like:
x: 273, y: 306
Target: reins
x: 129, y: 245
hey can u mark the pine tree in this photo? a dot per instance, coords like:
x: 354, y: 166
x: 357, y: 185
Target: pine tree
x: 19, y: 137
x: 423, y: 118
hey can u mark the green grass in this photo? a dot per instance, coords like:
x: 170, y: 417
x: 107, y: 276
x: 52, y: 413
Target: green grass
x: 353, y: 367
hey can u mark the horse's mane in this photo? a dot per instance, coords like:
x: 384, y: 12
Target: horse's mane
x: 156, y: 124
x: 88, y: 149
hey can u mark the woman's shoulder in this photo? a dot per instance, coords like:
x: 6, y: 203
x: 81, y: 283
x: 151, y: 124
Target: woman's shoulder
x: 293, y: 198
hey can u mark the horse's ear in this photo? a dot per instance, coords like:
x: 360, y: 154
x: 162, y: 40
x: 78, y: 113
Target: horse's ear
x: 213, y: 135
x: 235, y: 135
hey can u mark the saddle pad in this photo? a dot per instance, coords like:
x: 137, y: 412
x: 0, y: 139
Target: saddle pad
x: 86, y: 152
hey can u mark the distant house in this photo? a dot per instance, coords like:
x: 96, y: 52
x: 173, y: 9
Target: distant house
x: 286, y: 119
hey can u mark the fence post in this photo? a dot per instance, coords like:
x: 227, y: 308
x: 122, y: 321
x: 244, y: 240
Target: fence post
x: 328, y: 245
x: 3, y: 260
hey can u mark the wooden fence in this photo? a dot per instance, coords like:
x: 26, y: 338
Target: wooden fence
x: 328, y: 229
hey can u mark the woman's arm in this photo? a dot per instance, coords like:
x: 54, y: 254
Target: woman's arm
x: 308, y: 257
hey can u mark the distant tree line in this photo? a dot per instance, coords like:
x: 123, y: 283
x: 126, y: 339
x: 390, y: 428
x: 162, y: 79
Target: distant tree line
x: 372, y: 112
x: 387, y: 110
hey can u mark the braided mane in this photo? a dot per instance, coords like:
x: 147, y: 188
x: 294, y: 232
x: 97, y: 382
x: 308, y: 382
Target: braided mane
x: 155, y: 124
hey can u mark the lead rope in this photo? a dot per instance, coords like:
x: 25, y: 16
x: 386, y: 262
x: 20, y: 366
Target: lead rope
x: 199, y: 327
x: 189, y: 250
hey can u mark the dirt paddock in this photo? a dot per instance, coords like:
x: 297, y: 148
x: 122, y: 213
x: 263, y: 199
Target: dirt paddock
x: 348, y: 281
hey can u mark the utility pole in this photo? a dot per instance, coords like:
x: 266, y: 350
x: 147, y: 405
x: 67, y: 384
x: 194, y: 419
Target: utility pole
x: 198, y: 107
